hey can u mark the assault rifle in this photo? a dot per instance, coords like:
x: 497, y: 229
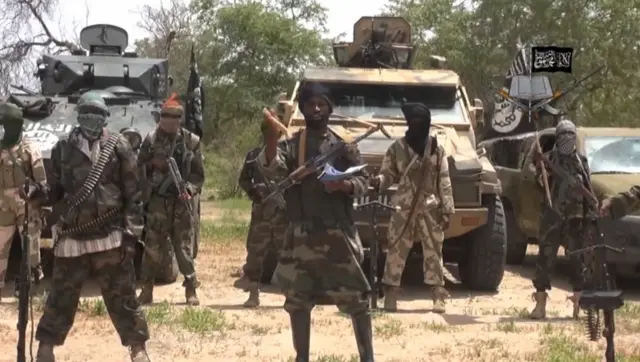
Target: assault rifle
x: 600, y: 293
x: 279, y: 199
x: 181, y: 185
x: 25, y: 284
x: 374, y: 247
x: 316, y: 163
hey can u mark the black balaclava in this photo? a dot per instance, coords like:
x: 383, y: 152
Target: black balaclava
x: 317, y: 121
x: 418, y: 119
x: 12, y: 121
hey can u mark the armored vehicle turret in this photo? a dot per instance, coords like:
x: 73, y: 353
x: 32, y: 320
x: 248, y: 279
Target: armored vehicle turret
x: 132, y: 87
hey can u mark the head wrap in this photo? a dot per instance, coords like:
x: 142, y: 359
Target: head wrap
x: 92, y: 114
x: 310, y: 90
x: 566, y: 137
x: 418, y: 118
x: 12, y: 121
x: 172, y: 106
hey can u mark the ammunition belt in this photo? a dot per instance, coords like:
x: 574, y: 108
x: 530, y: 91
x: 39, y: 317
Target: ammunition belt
x: 96, y: 223
x: 92, y: 179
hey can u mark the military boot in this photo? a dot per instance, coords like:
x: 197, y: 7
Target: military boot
x: 190, y: 285
x: 390, y: 298
x: 440, y: 296
x: 540, y: 310
x: 138, y: 353
x: 236, y: 273
x: 242, y: 283
x: 301, y: 330
x: 254, y: 297
x: 364, y: 335
x: 45, y: 353
x: 575, y: 300
x: 146, y: 294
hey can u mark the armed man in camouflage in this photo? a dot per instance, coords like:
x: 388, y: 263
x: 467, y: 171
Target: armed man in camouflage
x: 22, y: 177
x: 97, y: 219
x: 321, y: 255
x: 570, y: 223
x: 403, y: 164
x: 170, y: 221
x: 266, y: 229
x: 621, y: 204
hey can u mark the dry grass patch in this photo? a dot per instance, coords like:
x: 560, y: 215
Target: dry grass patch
x: 195, y: 320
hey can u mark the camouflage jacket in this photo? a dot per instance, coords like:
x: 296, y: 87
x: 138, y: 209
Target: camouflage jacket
x: 402, y: 165
x: 72, y: 159
x: 309, y: 200
x: 626, y: 202
x: 567, y: 203
x: 155, y: 178
x: 321, y: 252
x: 20, y: 162
x: 248, y: 178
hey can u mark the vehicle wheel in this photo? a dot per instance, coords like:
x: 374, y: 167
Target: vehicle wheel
x: 168, y: 274
x: 482, y: 262
x: 516, y: 243
x: 268, y: 267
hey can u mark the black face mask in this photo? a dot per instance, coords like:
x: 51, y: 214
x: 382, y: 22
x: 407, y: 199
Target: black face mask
x: 12, y: 134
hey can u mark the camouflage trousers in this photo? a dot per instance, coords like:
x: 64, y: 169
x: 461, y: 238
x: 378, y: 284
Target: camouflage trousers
x: 431, y: 250
x: 351, y: 305
x: 572, y: 234
x: 6, y: 238
x: 117, y: 284
x: 321, y: 265
x: 168, y: 229
x: 263, y: 235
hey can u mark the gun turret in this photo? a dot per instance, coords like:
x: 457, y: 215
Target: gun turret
x: 378, y: 42
x: 106, y: 65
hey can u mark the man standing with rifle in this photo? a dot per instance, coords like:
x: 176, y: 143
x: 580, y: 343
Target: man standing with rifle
x: 267, y: 226
x: 170, y: 218
x: 571, y: 220
x: 97, y: 221
x: 22, y: 180
x: 425, y: 199
x: 321, y: 255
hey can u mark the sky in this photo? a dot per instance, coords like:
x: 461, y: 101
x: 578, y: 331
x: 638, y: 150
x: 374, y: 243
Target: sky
x: 124, y: 13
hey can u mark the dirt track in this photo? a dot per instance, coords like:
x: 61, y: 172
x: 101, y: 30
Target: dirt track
x: 476, y: 327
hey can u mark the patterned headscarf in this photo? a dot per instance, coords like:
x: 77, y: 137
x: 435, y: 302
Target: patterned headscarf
x: 566, y: 137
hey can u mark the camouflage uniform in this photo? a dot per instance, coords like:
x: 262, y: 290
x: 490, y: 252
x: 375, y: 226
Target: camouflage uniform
x: 266, y: 229
x: 570, y: 223
x: 19, y: 160
x: 105, y: 250
x: 169, y: 222
x: 321, y: 254
x: 403, y: 165
x: 623, y: 203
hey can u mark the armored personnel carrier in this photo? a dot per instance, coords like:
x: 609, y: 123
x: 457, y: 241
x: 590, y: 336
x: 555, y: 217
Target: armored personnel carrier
x: 374, y: 74
x: 132, y: 87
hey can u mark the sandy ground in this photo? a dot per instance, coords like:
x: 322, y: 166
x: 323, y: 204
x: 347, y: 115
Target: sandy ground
x: 476, y: 327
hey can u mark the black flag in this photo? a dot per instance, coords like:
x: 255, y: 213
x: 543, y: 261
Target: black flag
x: 551, y: 59
x: 195, y: 98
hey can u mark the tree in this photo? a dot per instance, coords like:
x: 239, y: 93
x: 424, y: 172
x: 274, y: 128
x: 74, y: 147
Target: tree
x: 25, y: 30
x: 478, y: 39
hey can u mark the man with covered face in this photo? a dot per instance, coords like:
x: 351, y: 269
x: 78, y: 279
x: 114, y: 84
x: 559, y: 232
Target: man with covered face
x: 266, y: 228
x: 321, y: 254
x: 22, y: 179
x: 170, y: 222
x: 403, y: 163
x: 94, y: 189
x: 569, y: 223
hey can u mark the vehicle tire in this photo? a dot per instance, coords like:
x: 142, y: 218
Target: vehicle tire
x: 168, y: 274
x: 483, y: 258
x: 268, y: 266
x: 516, y: 243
